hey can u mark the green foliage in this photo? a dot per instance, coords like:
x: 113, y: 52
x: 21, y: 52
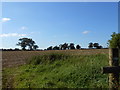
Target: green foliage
x: 24, y: 42
x: 56, y: 48
x: 91, y: 45
x: 71, y: 46
x: 95, y: 45
x: 50, y: 48
x: 115, y: 40
x: 78, y: 47
x: 65, y: 71
x: 65, y: 46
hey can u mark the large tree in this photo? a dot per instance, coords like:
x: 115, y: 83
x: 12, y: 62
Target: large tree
x: 31, y: 44
x: 114, y: 42
x: 24, y: 42
x: 35, y: 47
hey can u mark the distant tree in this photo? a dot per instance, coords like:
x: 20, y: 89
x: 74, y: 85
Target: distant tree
x: 24, y: 42
x: 31, y: 44
x: 90, y: 45
x: 64, y: 46
x: 50, y: 48
x: 56, y: 48
x: 78, y: 47
x: 71, y: 46
x: 16, y: 49
x: 10, y: 49
x: 35, y: 47
x: 96, y: 45
x: 99, y: 47
x: 114, y: 42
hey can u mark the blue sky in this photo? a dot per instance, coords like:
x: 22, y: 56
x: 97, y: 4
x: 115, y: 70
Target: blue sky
x: 53, y: 23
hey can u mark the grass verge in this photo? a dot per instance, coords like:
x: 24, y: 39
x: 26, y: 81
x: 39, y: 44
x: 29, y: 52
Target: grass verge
x: 58, y: 71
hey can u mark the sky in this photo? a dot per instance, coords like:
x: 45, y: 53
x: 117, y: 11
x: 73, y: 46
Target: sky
x: 54, y: 23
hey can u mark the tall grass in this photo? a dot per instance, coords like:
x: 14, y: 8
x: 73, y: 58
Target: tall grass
x: 49, y: 58
x: 59, y: 71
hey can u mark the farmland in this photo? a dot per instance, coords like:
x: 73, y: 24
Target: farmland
x: 15, y: 58
x: 55, y: 69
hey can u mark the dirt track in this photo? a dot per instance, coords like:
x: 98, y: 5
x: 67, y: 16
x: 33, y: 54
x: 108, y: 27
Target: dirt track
x: 15, y: 58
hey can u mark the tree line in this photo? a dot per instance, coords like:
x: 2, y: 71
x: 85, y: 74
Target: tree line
x: 64, y: 46
x: 67, y: 46
x: 114, y: 42
x: 28, y: 42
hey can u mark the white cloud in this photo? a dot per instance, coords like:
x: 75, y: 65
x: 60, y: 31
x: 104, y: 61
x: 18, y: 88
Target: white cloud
x: 85, y: 32
x: 12, y: 35
x: 23, y: 28
x: 6, y: 19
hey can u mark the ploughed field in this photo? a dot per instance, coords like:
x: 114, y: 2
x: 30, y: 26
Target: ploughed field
x: 55, y: 69
x: 15, y: 58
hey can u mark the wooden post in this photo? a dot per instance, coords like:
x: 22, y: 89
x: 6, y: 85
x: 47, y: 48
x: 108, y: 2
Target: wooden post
x: 114, y: 61
x: 113, y: 69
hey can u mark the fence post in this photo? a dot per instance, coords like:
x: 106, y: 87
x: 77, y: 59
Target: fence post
x: 114, y: 61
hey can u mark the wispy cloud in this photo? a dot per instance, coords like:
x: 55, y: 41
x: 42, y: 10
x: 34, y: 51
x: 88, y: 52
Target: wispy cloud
x: 24, y: 28
x: 86, y: 32
x: 5, y: 19
x: 12, y: 35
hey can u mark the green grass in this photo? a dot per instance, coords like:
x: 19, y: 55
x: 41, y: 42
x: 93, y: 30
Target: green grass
x: 59, y: 71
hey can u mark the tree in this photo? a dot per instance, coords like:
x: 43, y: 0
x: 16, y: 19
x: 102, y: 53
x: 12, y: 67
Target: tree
x: 16, y: 49
x: 90, y: 45
x: 64, y: 46
x: 96, y: 45
x: 24, y: 42
x: 78, y: 47
x: 31, y: 44
x: 99, y: 47
x: 35, y: 47
x: 114, y: 42
x: 56, y: 48
x: 71, y: 46
x: 50, y: 48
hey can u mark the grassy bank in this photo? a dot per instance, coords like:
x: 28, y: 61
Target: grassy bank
x: 58, y: 71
